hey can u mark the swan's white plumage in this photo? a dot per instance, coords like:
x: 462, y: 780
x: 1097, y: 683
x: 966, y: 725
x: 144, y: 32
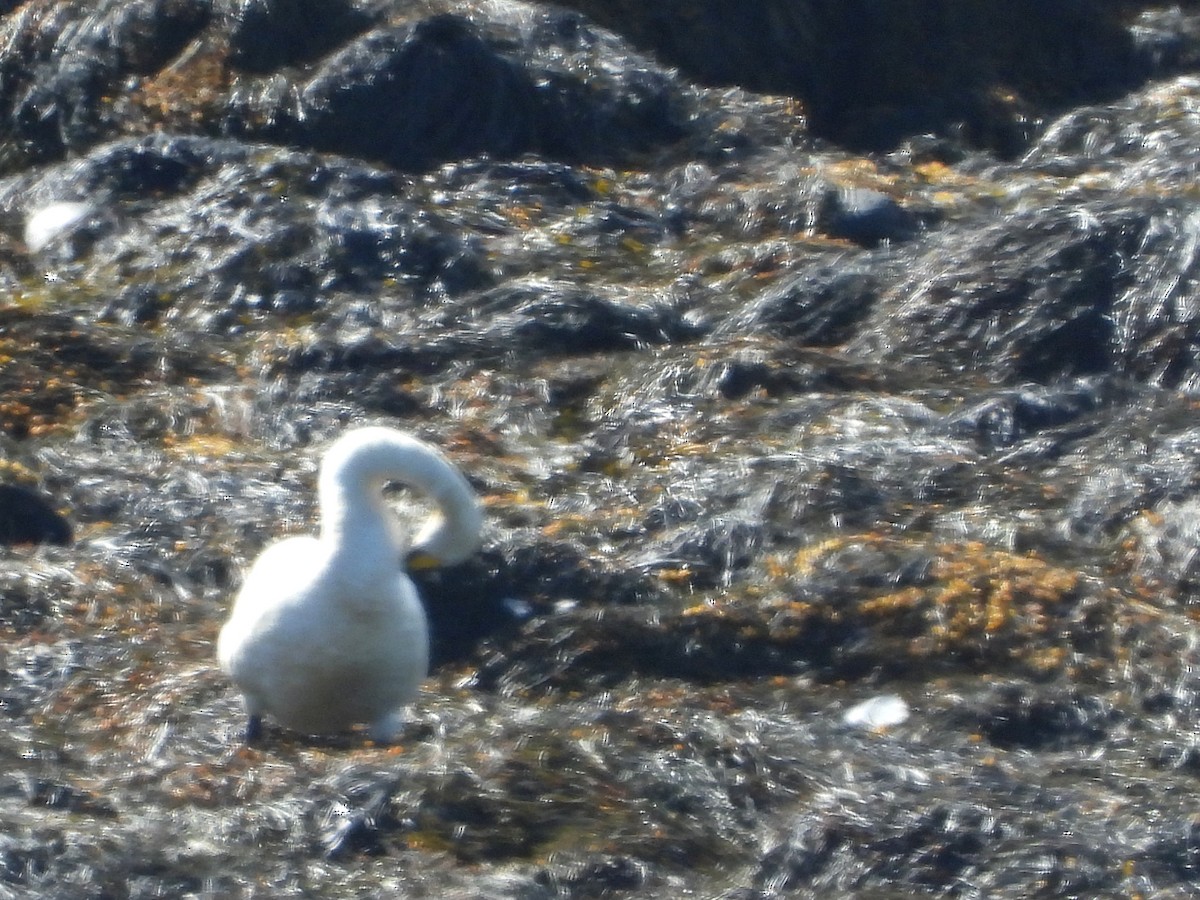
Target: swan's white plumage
x: 328, y: 631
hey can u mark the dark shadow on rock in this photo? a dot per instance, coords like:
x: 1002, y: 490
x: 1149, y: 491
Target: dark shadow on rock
x: 27, y: 517
x: 498, y: 591
x: 1019, y: 716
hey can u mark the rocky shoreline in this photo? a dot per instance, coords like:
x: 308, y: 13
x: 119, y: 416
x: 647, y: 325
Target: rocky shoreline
x: 826, y: 367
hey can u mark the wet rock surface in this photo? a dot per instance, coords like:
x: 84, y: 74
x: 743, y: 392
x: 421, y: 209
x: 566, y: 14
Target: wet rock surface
x: 765, y: 427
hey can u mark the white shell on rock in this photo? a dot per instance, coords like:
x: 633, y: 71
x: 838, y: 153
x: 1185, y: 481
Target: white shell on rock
x: 878, y: 712
x: 52, y: 220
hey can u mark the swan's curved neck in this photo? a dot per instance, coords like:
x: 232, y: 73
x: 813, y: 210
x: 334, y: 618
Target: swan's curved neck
x: 353, y: 513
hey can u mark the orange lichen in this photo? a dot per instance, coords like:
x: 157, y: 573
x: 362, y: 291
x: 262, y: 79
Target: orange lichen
x: 973, y: 600
x: 676, y: 576
x: 977, y: 594
x: 200, y: 446
x: 189, y: 91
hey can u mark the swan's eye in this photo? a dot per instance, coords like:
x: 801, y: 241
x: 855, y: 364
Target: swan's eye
x: 421, y: 560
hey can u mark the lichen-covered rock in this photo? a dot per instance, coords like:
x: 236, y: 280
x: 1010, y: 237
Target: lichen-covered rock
x: 64, y: 60
x: 408, y: 90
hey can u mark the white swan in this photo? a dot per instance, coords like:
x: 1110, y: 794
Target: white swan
x: 328, y: 631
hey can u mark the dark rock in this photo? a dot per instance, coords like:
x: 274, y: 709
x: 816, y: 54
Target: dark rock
x: 1043, y: 296
x: 1055, y: 723
x: 1013, y: 416
x: 420, y: 94
x: 866, y: 217
x: 554, y: 318
x: 601, y: 877
x: 449, y: 89
x: 26, y: 862
x: 821, y: 307
x: 534, y: 181
x: 1134, y: 139
x: 352, y: 823
x: 871, y: 79
x: 265, y: 35
x: 1168, y: 38
x: 55, y: 795
x: 1167, y: 540
x: 283, y: 256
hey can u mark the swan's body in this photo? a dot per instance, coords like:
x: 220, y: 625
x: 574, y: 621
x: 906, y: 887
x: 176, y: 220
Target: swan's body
x: 328, y: 631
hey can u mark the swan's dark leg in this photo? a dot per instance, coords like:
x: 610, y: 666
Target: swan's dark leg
x: 254, y: 729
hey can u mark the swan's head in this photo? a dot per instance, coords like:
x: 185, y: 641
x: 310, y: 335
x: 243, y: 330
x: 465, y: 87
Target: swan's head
x: 360, y: 462
x: 452, y: 535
